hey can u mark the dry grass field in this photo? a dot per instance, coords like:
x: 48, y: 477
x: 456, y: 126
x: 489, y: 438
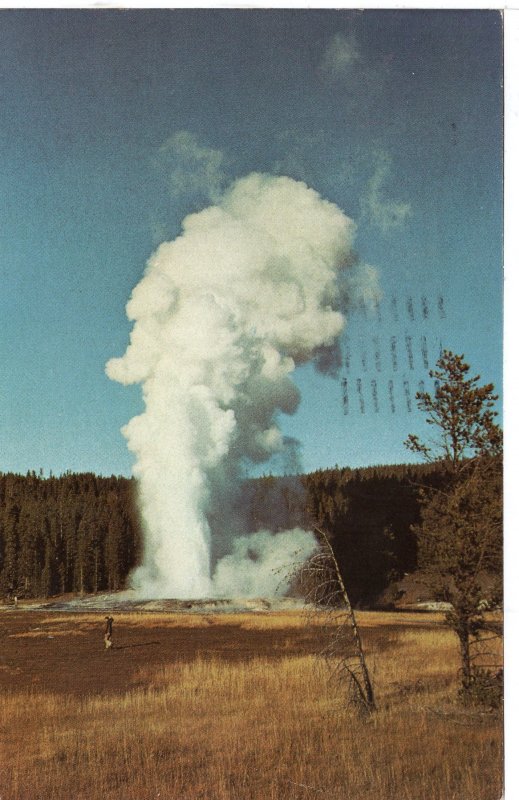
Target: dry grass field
x: 233, y: 707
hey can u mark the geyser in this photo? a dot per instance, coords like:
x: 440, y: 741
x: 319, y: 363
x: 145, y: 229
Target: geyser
x: 251, y: 288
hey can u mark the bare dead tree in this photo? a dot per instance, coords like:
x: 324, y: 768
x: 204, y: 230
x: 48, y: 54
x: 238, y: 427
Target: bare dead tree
x: 320, y: 581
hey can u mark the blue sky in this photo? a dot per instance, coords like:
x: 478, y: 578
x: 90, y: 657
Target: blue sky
x: 115, y: 124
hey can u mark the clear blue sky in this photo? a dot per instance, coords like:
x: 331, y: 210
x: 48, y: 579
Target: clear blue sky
x: 114, y: 125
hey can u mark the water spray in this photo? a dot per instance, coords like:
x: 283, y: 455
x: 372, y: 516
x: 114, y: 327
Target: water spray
x: 253, y: 287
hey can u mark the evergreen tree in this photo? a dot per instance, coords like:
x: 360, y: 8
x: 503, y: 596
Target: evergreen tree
x: 54, y: 533
x: 9, y: 574
x: 460, y: 534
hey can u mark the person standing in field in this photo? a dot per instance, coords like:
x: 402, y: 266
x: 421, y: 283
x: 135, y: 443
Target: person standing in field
x: 108, y: 632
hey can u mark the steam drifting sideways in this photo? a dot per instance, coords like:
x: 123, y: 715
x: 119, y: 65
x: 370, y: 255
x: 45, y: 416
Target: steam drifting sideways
x: 251, y: 288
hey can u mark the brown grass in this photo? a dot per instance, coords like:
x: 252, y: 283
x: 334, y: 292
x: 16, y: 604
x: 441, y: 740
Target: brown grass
x: 271, y: 727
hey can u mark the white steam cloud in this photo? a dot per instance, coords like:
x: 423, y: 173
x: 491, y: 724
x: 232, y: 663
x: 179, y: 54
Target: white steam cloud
x: 341, y: 53
x: 259, y: 565
x: 252, y: 287
x: 193, y: 168
x: 380, y: 210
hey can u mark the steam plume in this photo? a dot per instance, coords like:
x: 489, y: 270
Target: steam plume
x: 257, y: 566
x: 252, y: 287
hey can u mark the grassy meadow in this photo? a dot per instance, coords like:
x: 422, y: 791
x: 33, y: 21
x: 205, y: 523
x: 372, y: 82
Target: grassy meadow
x: 234, y: 707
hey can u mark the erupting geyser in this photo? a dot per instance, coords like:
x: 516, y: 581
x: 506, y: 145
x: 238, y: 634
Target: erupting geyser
x: 252, y: 287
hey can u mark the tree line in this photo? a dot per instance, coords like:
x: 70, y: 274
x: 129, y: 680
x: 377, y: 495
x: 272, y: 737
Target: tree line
x: 74, y: 533
x: 81, y: 533
x: 369, y: 515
